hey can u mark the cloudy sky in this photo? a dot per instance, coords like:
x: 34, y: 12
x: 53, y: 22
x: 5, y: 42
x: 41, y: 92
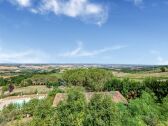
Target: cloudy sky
x: 84, y: 31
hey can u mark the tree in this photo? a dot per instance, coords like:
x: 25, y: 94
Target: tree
x: 163, y: 69
x: 91, y: 79
x: 3, y: 82
x: 145, y: 109
x: 158, y: 87
x: 129, y: 88
x: 102, y: 112
x: 72, y: 111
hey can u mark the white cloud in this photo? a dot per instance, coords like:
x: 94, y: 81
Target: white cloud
x: 22, y: 3
x: 81, y: 52
x: 27, y: 56
x: 160, y: 60
x: 38, y: 56
x: 81, y: 9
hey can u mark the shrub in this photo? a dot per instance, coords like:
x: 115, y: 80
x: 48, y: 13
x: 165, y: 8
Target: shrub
x: 3, y: 82
x: 29, y: 108
x: 163, y: 69
x: 54, y: 92
x: 145, y: 109
x: 52, y: 84
x: 129, y: 88
x: 72, y: 111
x: 102, y: 112
x: 159, y: 87
x: 91, y: 79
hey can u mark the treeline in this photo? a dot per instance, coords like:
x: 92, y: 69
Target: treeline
x: 132, y: 89
x: 18, y: 79
x: 103, y: 80
x: 24, y: 80
x: 94, y: 80
x: 100, y: 111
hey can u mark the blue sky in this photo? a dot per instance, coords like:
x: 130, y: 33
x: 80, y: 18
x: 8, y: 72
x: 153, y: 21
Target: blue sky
x: 84, y: 31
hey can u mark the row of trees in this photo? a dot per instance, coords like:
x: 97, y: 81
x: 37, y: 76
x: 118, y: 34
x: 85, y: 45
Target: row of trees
x: 14, y: 80
x: 100, y: 111
x: 132, y: 89
x: 24, y: 79
x: 103, y: 80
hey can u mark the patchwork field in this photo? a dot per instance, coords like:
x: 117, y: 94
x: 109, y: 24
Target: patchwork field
x: 142, y: 75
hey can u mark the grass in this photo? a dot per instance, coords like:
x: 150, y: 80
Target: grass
x: 58, y: 75
x: 30, y: 90
x: 23, y: 121
x: 143, y: 75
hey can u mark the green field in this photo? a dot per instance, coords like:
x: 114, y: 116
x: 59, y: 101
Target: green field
x: 145, y: 93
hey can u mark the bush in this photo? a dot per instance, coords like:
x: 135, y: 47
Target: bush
x: 25, y: 83
x: 54, y: 92
x: 29, y: 107
x: 3, y: 82
x: 102, y: 112
x: 158, y: 87
x: 72, y: 111
x: 129, y: 88
x: 18, y: 79
x: 133, y: 89
x: 5, y: 88
x: 163, y: 69
x: 91, y: 79
x: 52, y: 84
x: 145, y: 109
x: 9, y: 113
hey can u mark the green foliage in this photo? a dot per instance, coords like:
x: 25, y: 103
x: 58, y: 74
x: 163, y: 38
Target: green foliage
x: 165, y: 108
x: 91, y: 79
x: 72, y: 111
x: 3, y: 82
x: 158, y: 87
x: 44, y: 79
x: 129, y: 88
x: 102, y: 112
x: 18, y: 79
x: 135, y: 70
x: 26, y: 82
x: 42, y: 109
x: 132, y: 89
x: 147, y: 105
x: 163, y: 69
x: 29, y: 107
x: 52, y: 84
x: 9, y: 113
x: 5, y: 88
x: 145, y: 109
x: 54, y: 92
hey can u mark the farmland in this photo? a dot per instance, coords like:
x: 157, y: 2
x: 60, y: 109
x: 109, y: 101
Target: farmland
x: 76, y: 96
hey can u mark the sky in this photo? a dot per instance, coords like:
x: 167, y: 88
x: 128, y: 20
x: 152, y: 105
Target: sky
x: 84, y: 31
